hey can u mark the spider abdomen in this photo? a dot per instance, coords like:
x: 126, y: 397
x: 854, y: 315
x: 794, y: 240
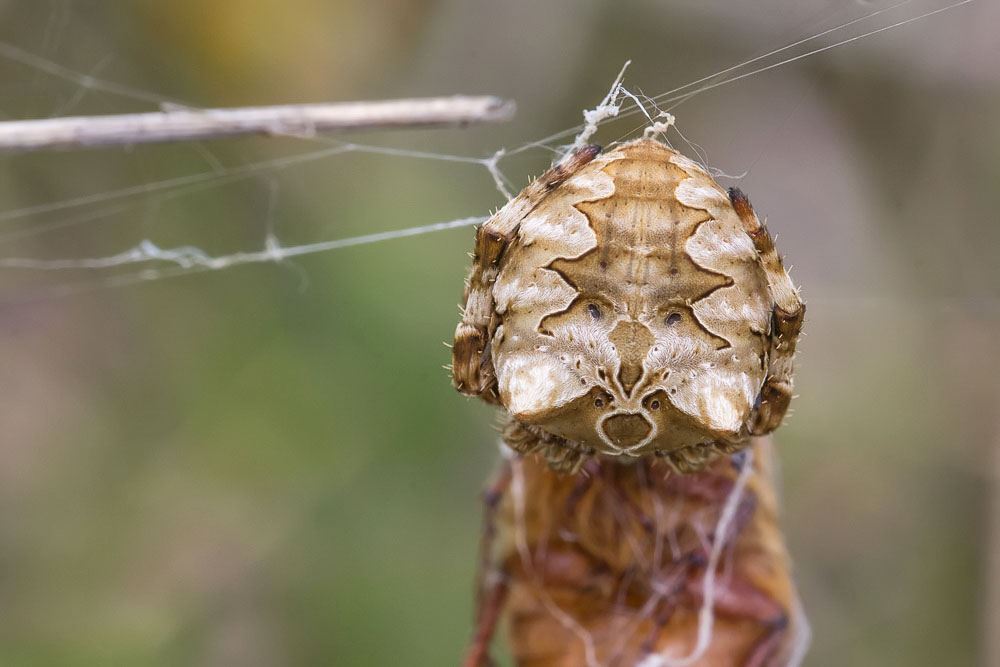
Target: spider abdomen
x: 632, y: 309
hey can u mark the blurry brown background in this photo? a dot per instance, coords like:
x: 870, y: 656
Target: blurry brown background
x: 267, y: 465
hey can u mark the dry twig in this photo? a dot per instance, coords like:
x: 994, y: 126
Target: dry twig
x: 300, y: 120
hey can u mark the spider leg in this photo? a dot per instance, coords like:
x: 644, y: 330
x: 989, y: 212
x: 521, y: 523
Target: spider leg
x: 472, y: 367
x: 561, y: 454
x: 786, y: 322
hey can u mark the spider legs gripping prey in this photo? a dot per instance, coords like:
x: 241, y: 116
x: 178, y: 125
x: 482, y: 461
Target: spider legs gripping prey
x: 786, y: 321
x: 472, y: 368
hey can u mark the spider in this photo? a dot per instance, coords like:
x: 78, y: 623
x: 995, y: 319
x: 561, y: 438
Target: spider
x: 624, y: 304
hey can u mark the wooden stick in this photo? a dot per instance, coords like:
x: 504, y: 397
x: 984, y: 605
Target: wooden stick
x: 298, y: 120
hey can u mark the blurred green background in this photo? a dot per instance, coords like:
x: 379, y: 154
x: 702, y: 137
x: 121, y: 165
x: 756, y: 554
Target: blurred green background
x: 267, y: 465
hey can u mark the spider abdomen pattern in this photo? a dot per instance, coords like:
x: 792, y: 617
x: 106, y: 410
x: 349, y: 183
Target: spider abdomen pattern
x: 625, y: 304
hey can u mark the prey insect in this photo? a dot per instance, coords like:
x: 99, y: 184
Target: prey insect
x: 636, y: 323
